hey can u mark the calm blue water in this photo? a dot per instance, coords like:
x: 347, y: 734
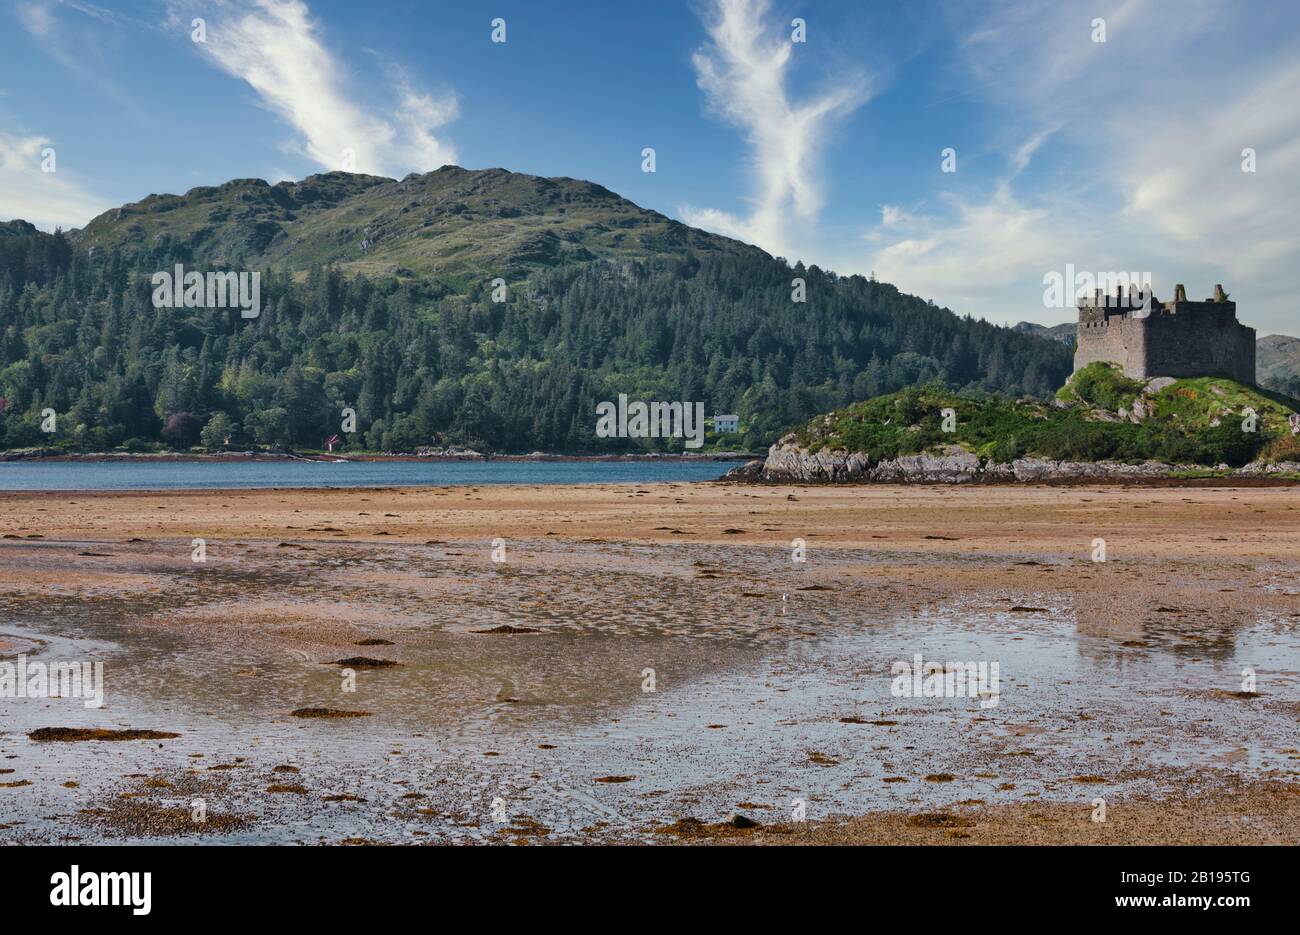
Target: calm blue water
x: 198, y: 475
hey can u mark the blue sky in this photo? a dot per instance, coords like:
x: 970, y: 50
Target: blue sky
x: 1116, y: 155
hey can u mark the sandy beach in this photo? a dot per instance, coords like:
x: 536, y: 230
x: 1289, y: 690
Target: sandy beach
x: 550, y: 664
x: 1174, y: 521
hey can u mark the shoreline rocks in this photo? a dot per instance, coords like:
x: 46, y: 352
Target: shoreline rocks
x: 787, y: 463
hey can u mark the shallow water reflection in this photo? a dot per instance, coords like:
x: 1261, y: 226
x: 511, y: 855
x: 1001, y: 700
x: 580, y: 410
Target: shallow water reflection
x: 641, y: 685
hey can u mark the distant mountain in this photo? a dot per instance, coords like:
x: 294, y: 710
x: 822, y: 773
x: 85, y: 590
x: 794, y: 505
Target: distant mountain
x: 378, y: 295
x: 1065, y: 333
x: 1277, y: 363
x: 454, y: 224
x: 16, y: 229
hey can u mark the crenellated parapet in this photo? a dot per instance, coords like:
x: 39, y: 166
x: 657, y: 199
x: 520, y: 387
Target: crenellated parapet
x: 1178, y: 338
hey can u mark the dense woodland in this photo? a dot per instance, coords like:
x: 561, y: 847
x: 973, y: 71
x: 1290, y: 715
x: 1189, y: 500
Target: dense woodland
x: 424, y: 366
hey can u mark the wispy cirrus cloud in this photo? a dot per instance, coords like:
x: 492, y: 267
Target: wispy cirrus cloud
x: 46, y: 199
x: 1148, y: 129
x: 276, y: 47
x: 973, y: 246
x: 966, y: 245
x: 743, y: 71
x: 37, y: 19
x: 1202, y: 202
x: 76, y: 45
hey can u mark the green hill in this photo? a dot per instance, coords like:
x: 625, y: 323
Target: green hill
x: 453, y: 224
x: 1098, y: 415
x: 376, y: 295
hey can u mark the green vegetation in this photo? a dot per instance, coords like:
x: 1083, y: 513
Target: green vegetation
x: 376, y: 296
x: 1189, y: 421
x: 454, y: 226
x: 1102, y: 385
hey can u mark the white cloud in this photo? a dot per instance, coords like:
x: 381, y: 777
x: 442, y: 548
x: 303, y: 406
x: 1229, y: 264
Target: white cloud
x: 36, y: 19
x: 46, y: 199
x: 80, y: 47
x: 743, y: 73
x: 1020, y: 159
x: 1149, y: 128
x: 975, y: 247
x: 972, y: 247
x: 275, y: 46
x: 1202, y: 201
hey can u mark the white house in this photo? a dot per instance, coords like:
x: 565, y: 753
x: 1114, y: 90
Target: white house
x: 725, y: 424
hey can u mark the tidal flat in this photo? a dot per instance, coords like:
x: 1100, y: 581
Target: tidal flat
x: 649, y: 664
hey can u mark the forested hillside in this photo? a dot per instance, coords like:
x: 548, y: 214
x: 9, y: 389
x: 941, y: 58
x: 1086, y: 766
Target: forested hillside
x: 376, y: 295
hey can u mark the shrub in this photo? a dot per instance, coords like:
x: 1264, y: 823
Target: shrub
x: 1105, y: 386
x: 218, y: 429
x: 181, y: 429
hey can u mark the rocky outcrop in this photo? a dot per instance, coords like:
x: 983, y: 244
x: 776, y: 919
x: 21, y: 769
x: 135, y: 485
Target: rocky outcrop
x: 950, y: 465
x: 788, y: 463
x: 749, y: 471
x: 1041, y: 470
x: 1264, y: 469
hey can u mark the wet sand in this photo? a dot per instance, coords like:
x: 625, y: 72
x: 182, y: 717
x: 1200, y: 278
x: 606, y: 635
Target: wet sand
x: 519, y: 709
x: 1261, y: 813
x: 1246, y: 522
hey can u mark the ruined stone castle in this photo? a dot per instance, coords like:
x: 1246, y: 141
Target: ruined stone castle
x: 1149, y: 338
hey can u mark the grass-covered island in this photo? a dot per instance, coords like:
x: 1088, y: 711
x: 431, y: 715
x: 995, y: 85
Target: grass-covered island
x: 1100, y: 425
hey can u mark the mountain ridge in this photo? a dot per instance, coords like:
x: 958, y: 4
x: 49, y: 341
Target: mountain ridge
x: 1277, y: 363
x: 378, y: 296
x: 451, y: 223
x: 1064, y: 332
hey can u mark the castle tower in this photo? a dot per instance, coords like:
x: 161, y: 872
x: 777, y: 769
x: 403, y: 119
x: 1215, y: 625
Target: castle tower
x: 1179, y: 338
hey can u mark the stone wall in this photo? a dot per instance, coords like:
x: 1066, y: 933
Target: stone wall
x: 1115, y: 338
x: 1178, y: 339
x: 1200, y: 340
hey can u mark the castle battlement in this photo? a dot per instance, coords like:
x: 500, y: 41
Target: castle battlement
x: 1179, y: 338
